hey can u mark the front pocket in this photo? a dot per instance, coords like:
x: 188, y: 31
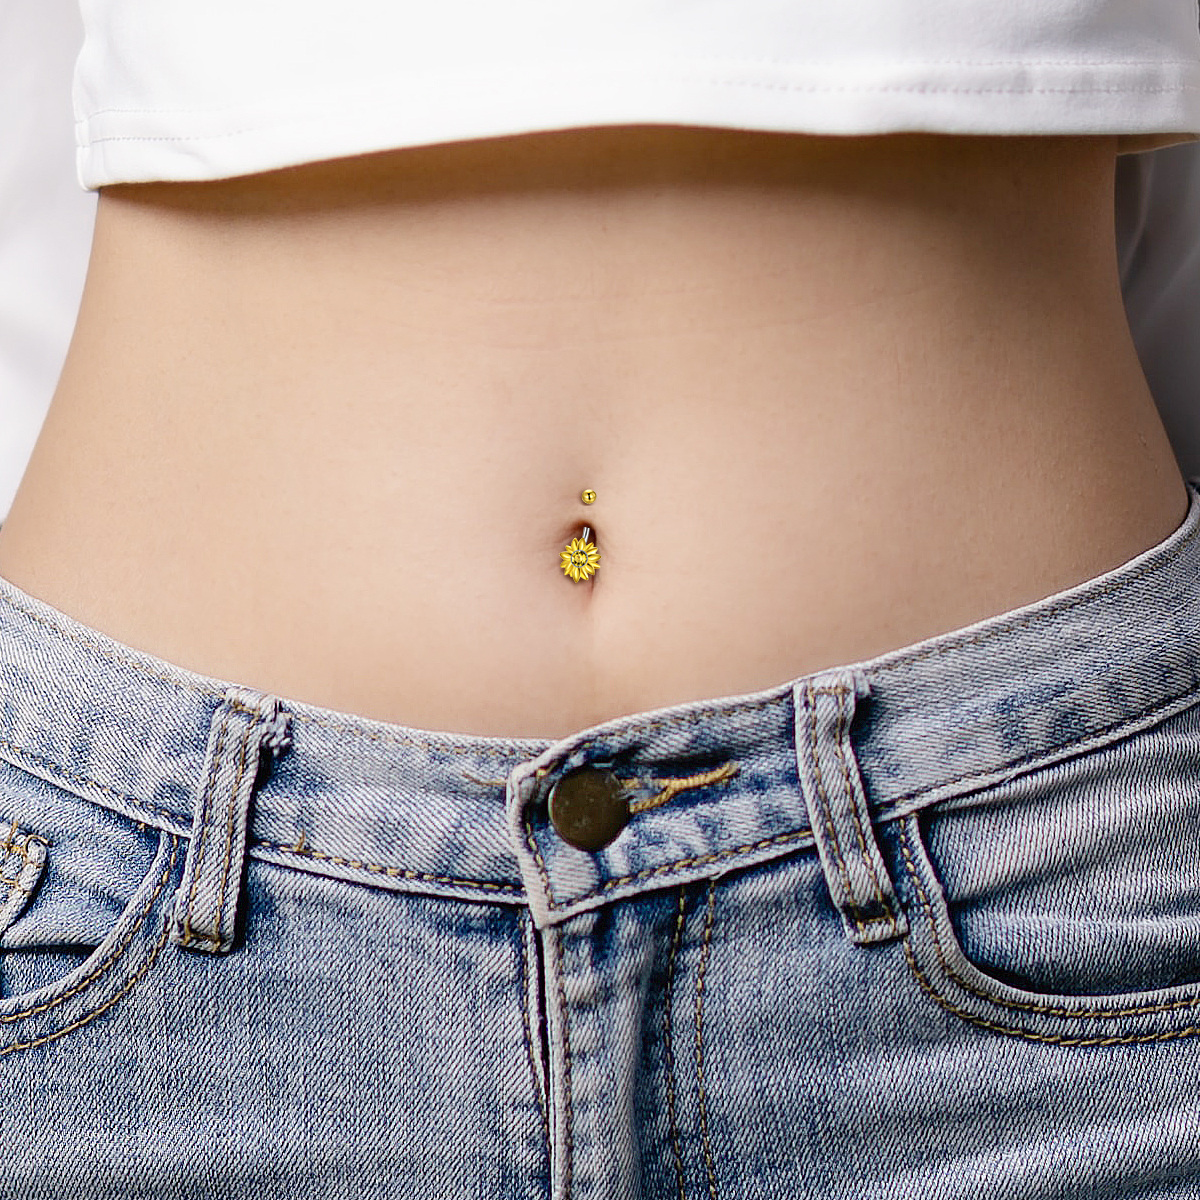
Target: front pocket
x: 1064, y: 904
x: 84, y: 894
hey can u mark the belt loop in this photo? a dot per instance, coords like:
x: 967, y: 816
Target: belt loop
x: 246, y: 724
x: 855, y: 873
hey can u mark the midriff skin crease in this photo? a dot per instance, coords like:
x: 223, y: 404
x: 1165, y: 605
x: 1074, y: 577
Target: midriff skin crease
x: 323, y: 431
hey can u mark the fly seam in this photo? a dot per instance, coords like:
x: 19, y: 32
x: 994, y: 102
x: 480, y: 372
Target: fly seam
x: 117, y: 951
x: 536, y: 851
x: 700, y: 974
x: 568, y: 1116
x: 669, y: 1047
x: 525, y: 1023
x: 672, y: 787
x: 1050, y: 1009
x: 209, y: 787
x: 826, y: 815
x: 843, y: 730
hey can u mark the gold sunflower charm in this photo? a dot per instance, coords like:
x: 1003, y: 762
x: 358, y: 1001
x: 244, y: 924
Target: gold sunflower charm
x: 581, y: 559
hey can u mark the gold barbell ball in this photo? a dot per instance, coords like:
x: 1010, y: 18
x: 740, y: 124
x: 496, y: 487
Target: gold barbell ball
x: 588, y: 496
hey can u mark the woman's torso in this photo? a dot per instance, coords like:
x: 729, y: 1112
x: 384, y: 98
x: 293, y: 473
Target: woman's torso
x: 324, y: 431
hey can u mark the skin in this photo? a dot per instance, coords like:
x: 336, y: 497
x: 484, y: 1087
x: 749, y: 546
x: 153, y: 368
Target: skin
x: 323, y: 431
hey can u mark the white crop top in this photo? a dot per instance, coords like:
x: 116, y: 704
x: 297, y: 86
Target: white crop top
x: 174, y: 89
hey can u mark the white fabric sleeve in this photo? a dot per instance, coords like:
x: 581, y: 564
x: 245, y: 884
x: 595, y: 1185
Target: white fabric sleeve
x: 45, y: 219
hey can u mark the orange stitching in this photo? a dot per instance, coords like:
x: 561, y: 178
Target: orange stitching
x: 668, y: 1045
x: 86, y: 781
x: 1187, y: 1031
x: 22, y: 853
x: 826, y: 814
x: 393, y: 872
x: 708, y: 927
x: 536, y: 851
x: 162, y: 941
x: 1098, y: 1011
x: 117, y: 951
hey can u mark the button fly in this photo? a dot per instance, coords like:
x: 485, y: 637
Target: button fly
x: 588, y: 808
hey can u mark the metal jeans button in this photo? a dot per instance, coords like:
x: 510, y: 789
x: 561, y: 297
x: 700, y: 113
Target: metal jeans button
x: 588, y: 808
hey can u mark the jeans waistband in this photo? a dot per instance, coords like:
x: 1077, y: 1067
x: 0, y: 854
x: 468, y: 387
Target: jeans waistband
x: 715, y: 784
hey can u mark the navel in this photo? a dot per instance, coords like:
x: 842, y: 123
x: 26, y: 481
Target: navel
x: 580, y: 558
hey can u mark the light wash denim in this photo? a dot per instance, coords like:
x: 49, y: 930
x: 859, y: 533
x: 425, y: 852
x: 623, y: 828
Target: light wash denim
x: 916, y: 928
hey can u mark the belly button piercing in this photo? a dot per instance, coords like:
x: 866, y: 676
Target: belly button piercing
x: 580, y: 558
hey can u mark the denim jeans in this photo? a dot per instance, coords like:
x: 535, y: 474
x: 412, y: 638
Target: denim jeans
x: 921, y: 927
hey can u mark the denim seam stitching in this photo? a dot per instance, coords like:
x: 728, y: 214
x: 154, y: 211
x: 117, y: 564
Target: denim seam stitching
x: 21, y: 851
x: 963, y: 784
x: 87, y: 781
x: 113, y: 957
x: 668, y: 1044
x: 135, y: 802
x: 826, y: 811
x: 666, y: 868
x: 197, y: 865
x: 219, y: 915
x: 1110, y: 1040
x: 528, y: 1032
x: 700, y: 977
x: 888, y: 916
x: 398, y: 739
x: 568, y: 1115
x: 1097, y: 1011
x: 91, y: 1016
x: 531, y: 844
x: 506, y: 889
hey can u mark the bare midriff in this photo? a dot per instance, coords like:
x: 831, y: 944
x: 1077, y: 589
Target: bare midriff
x: 324, y: 431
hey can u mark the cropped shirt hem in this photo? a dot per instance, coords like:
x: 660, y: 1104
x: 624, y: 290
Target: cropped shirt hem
x: 1143, y: 103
